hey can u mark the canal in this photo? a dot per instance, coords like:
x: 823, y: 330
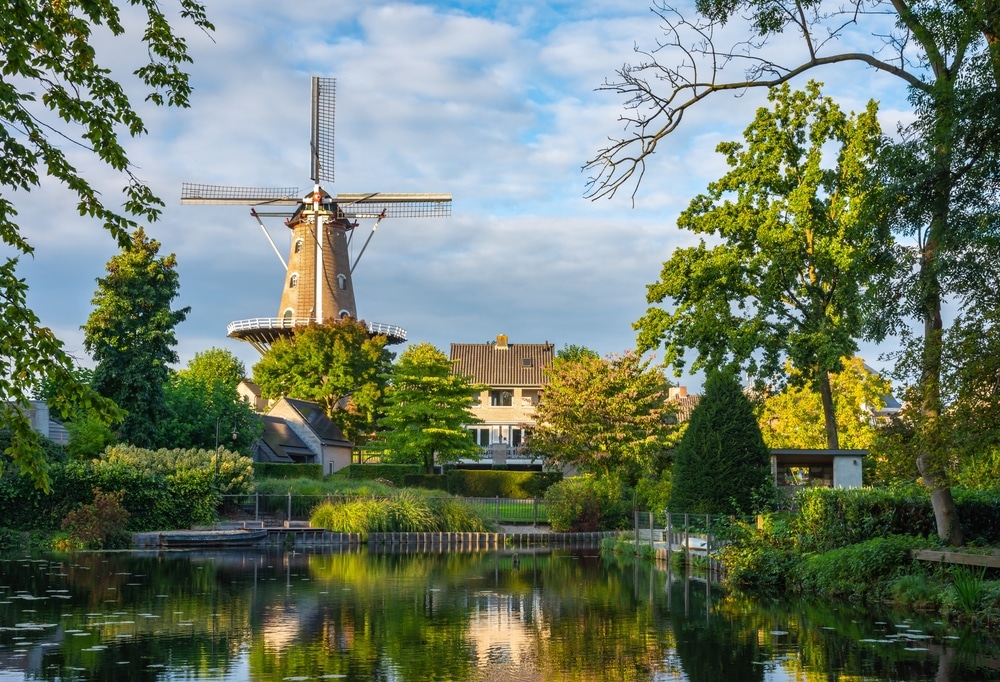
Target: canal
x: 533, y: 614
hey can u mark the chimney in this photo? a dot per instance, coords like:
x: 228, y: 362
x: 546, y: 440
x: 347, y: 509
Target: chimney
x: 501, y: 342
x: 677, y: 392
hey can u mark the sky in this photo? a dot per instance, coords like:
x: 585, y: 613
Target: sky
x: 497, y: 103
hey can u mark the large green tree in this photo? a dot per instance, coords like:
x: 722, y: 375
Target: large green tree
x: 605, y: 416
x: 336, y: 364
x: 55, y: 89
x: 130, y: 335
x: 940, y: 177
x: 721, y: 465
x: 781, y: 279
x: 427, y: 408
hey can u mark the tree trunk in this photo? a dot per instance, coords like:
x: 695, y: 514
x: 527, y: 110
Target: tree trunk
x: 829, y: 415
x: 931, y: 461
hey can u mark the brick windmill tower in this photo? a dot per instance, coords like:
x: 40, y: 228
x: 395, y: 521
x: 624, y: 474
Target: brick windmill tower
x: 318, y: 285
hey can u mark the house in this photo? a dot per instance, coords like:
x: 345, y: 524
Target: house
x: 37, y: 413
x: 514, y: 376
x: 298, y: 431
x: 249, y: 392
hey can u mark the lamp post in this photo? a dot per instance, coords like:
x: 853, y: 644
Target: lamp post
x: 218, y: 425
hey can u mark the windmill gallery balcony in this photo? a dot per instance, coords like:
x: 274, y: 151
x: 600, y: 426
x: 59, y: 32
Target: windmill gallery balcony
x: 261, y: 332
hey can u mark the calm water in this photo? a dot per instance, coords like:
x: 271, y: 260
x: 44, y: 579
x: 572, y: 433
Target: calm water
x: 564, y: 615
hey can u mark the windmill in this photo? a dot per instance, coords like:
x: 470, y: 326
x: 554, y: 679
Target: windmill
x: 318, y: 285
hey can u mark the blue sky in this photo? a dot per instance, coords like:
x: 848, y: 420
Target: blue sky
x: 494, y: 102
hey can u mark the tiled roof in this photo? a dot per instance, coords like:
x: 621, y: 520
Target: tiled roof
x: 313, y: 415
x: 503, y: 365
x: 279, y: 443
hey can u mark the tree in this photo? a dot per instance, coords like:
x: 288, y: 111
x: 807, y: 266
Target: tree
x: 55, y: 90
x: 575, y: 352
x: 335, y: 364
x: 130, y: 335
x: 216, y: 364
x: 721, y: 465
x: 604, y: 416
x: 206, y: 413
x: 427, y: 408
x: 784, y: 279
x: 794, y: 418
x: 941, y: 184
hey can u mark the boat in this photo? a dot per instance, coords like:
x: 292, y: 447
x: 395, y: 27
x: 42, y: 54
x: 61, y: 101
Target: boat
x: 237, y: 537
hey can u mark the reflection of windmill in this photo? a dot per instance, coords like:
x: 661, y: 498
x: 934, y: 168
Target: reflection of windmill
x: 318, y: 286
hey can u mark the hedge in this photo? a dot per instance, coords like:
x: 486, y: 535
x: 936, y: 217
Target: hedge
x: 426, y: 481
x: 281, y: 470
x: 512, y: 484
x: 829, y: 518
x: 390, y: 472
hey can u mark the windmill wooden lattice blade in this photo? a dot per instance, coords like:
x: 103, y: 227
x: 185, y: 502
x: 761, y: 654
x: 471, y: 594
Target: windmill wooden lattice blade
x: 394, y: 205
x: 194, y: 193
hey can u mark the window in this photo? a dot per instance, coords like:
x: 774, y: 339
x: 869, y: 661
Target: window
x: 501, y: 398
x: 342, y: 281
x: 527, y: 362
x: 481, y: 435
x: 298, y: 245
x: 286, y: 318
x: 293, y: 281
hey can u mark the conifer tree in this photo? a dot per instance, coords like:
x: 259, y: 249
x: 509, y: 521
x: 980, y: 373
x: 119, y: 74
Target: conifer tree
x: 721, y: 465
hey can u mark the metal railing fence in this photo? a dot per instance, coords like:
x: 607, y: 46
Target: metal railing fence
x: 277, y: 509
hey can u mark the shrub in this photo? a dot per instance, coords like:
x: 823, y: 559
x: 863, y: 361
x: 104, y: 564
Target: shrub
x: 915, y: 591
x: 865, y: 570
x: 402, y: 513
x: 235, y: 472
x: 426, y: 481
x: 585, y: 504
x: 760, y: 557
x: 834, y: 517
x: 100, y: 524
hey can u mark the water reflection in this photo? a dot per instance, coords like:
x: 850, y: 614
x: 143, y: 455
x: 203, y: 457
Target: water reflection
x: 550, y: 615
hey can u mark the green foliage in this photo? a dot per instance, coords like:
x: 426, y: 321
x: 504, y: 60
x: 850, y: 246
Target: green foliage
x: 52, y: 74
x: 603, y: 416
x: 280, y: 470
x: 584, y: 504
x: 793, y: 418
x: 830, y: 518
x: 427, y: 409
x: 89, y: 436
x: 215, y: 364
x: 331, y: 485
x: 12, y: 539
x: 206, y: 412
x: 915, y: 591
x: 760, y: 557
x: 512, y: 484
x: 721, y: 465
x: 403, y: 512
x: 390, y: 472
x: 231, y: 472
x: 861, y: 571
x: 786, y: 280
x: 968, y: 588
x: 130, y: 334
x: 335, y: 365
x: 426, y: 481
x: 100, y: 524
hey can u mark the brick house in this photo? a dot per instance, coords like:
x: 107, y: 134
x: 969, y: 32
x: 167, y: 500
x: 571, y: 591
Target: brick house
x: 514, y: 375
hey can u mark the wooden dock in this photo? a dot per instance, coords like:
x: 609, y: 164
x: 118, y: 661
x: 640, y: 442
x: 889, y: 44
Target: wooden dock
x: 991, y: 560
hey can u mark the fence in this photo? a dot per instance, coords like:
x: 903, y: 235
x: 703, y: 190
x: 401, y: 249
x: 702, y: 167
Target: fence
x: 277, y: 509
x: 697, y: 536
